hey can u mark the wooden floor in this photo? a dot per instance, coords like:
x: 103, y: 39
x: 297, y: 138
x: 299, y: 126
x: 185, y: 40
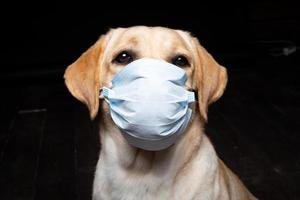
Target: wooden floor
x: 49, y: 148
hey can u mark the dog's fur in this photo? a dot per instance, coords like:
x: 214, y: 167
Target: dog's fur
x: 189, y: 169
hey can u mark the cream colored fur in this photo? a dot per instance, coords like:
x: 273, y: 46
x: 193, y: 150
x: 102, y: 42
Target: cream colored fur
x: 189, y: 169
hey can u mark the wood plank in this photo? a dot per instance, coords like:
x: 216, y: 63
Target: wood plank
x: 20, y: 153
x: 56, y: 172
x: 252, y: 114
x: 87, y: 151
x: 9, y: 106
x: 282, y: 137
x: 18, y: 167
x: 241, y: 154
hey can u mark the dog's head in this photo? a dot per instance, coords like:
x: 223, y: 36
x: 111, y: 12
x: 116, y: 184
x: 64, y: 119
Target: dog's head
x: 97, y: 66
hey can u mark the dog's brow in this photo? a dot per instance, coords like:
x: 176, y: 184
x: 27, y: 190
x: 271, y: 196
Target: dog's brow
x: 133, y: 40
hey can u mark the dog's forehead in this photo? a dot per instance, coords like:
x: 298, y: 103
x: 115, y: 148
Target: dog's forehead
x: 154, y: 37
x: 141, y: 32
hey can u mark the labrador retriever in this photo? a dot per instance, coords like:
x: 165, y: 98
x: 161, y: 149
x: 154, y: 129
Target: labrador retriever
x: 190, y: 168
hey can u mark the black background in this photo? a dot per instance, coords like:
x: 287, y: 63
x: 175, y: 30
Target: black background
x: 48, y: 145
x: 46, y: 37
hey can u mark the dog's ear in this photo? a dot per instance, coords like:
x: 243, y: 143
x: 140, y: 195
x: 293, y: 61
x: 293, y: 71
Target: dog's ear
x: 211, y: 79
x: 83, y: 76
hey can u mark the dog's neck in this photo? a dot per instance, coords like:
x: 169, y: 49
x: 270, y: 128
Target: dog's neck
x: 116, y: 150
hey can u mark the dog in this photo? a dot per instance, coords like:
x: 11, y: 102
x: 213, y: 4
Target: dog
x: 190, y: 168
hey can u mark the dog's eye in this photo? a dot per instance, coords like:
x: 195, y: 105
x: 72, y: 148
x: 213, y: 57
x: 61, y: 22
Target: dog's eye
x: 180, y: 61
x: 123, y: 58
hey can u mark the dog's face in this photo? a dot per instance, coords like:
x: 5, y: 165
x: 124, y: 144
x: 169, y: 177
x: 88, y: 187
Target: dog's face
x: 127, y: 45
x: 101, y: 62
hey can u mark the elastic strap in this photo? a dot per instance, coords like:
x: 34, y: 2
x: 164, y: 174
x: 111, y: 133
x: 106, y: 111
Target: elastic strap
x: 191, y: 97
x: 104, y: 91
x: 195, y: 95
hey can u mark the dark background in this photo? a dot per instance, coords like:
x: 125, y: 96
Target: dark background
x: 48, y: 145
x: 45, y: 38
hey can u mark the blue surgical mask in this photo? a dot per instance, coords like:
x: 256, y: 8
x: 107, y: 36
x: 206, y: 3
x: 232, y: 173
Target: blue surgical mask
x: 149, y: 103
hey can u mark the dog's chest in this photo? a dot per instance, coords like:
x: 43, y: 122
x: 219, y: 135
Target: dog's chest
x: 146, y: 188
x: 141, y: 187
x: 119, y: 184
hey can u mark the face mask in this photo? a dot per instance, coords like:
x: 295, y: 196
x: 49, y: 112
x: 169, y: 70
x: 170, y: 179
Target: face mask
x: 149, y: 104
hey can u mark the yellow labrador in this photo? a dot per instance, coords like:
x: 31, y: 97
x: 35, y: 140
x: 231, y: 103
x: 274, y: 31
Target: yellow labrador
x: 189, y: 169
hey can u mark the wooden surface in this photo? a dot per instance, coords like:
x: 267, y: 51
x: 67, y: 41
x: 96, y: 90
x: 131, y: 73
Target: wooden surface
x: 49, y: 148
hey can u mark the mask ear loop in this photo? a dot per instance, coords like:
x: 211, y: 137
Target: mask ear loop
x: 104, y: 93
x: 196, y: 94
x: 101, y: 96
